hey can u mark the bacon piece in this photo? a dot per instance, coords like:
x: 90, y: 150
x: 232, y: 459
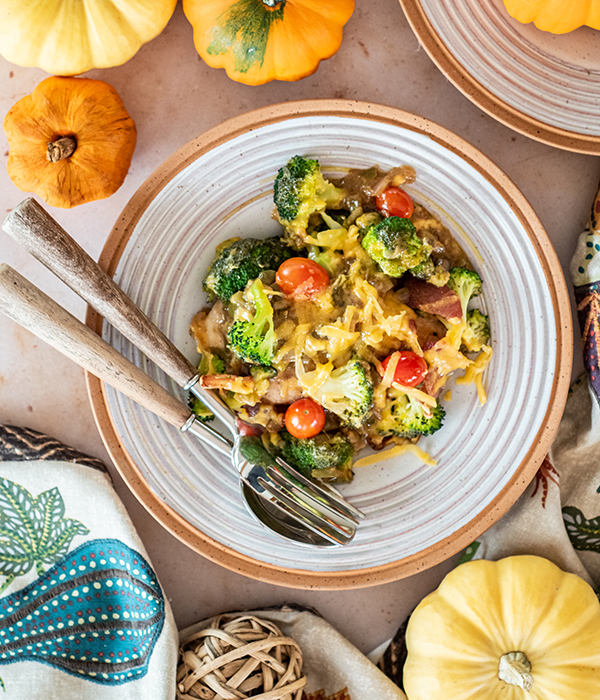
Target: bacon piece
x: 433, y: 383
x: 439, y: 301
x: 429, y: 330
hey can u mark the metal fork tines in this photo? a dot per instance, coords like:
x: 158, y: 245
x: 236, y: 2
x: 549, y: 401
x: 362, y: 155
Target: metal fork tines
x: 316, y: 507
x: 324, y: 494
x: 298, y: 504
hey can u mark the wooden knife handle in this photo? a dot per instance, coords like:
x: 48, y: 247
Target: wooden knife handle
x: 32, y: 227
x: 38, y: 313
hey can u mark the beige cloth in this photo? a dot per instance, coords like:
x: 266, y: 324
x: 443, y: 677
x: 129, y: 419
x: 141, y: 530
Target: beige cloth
x: 330, y: 662
x: 558, y: 515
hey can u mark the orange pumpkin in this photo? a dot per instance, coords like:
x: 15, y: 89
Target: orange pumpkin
x: 71, y: 141
x: 257, y: 41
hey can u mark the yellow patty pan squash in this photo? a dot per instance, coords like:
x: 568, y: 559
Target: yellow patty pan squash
x: 257, y: 41
x: 68, y: 37
x: 515, y: 629
x: 70, y: 141
x: 556, y: 16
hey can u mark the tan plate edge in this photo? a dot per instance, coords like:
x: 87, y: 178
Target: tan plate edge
x: 351, y: 579
x: 483, y: 98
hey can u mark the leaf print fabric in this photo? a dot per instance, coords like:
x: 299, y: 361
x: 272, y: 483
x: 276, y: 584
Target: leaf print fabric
x: 587, y: 298
x: 584, y: 534
x: 32, y: 530
x: 26, y: 445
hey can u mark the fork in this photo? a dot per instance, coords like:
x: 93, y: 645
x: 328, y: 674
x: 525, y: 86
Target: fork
x: 316, y: 507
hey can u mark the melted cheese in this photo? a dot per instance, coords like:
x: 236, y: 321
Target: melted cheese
x: 394, y: 452
x: 475, y: 370
x: 445, y: 357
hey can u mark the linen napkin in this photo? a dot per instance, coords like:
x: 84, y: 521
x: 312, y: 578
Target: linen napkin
x: 558, y: 515
x: 82, y: 614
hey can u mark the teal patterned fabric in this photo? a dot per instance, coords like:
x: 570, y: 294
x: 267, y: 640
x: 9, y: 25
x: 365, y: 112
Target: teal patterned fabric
x: 78, y: 596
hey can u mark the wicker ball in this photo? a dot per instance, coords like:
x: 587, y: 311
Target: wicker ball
x: 243, y: 657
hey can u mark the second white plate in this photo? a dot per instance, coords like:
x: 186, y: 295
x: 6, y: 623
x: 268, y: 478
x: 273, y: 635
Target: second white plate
x: 542, y: 85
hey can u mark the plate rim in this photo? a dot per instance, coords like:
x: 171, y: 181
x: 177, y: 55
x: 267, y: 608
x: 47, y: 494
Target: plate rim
x: 484, y: 98
x: 440, y: 551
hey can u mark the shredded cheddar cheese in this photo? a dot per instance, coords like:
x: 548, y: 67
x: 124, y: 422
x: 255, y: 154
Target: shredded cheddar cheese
x: 361, y: 317
x: 474, y: 372
x: 394, y: 452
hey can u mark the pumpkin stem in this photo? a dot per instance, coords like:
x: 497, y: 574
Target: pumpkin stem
x: 515, y: 669
x: 273, y: 4
x: 63, y: 147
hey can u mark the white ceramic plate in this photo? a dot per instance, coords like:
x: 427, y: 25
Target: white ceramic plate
x: 221, y: 186
x: 543, y: 85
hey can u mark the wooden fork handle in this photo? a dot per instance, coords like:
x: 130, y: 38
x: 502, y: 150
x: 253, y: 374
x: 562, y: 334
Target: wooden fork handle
x: 32, y: 227
x: 38, y: 313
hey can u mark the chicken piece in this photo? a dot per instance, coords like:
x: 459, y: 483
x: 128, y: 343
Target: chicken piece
x: 209, y: 328
x: 283, y: 388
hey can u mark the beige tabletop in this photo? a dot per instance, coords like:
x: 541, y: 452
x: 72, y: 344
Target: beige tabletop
x: 173, y: 97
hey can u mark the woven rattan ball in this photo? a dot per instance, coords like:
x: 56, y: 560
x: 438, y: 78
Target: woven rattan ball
x: 240, y: 657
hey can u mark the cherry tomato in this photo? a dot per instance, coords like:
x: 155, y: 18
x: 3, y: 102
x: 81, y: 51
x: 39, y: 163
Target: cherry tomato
x: 410, y: 370
x: 304, y: 418
x: 395, y: 202
x: 302, y: 277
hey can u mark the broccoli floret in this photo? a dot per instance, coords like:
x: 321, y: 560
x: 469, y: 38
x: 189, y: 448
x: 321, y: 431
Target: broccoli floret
x: 405, y: 417
x: 347, y: 392
x: 466, y: 283
x: 254, y: 340
x: 477, y: 331
x: 395, y: 246
x: 201, y: 412
x: 209, y: 364
x: 430, y: 272
x: 366, y: 221
x: 319, y: 457
x: 301, y: 190
x: 240, y: 260
x: 252, y: 448
x: 260, y: 372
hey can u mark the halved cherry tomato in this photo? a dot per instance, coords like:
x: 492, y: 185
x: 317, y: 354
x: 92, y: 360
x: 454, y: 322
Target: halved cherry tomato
x: 304, y: 418
x: 395, y: 202
x: 301, y: 277
x: 410, y: 370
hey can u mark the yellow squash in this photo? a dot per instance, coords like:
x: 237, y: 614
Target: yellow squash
x: 515, y: 629
x: 556, y: 16
x: 68, y: 37
x: 70, y: 141
x: 257, y: 41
